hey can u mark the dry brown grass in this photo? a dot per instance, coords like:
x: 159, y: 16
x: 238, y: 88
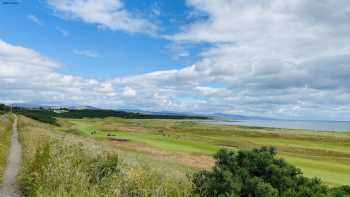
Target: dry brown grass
x: 5, y: 140
x: 63, y: 172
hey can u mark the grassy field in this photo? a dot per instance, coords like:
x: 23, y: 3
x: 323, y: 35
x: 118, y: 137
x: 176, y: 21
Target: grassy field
x: 5, y: 138
x: 319, y: 154
x: 60, y: 164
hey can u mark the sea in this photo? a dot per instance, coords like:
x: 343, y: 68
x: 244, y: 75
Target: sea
x: 339, y: 126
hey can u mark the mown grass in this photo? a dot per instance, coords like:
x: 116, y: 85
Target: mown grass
x: 5, y: 141
x: 322, y: 154
x: 59, y: 164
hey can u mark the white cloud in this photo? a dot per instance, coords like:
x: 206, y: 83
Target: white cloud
x: 86, y: 53
x: 267, y: 52
x: 109, y: 14
x: 257, y: 64
x: 275, y: 58
x: 27, y: 76
x: 129, y: 92
x: 210, y: 91
x: 30, y: 77
x: 35, y: 19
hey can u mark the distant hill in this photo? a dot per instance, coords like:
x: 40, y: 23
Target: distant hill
x: 80, y: 111
x: 162, y: 113
x: 26, y: 105
x: 82, y: 107
x: 144, y: 112
x: 239, y: 117
x: 220, y: 116
x: 136, y: 111
x: 48, y: 114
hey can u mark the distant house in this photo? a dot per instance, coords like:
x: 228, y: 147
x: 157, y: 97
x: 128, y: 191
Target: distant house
x: 59, y: 111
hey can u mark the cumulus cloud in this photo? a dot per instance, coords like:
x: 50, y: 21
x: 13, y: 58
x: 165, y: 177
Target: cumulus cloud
x: 109, y: 14
x: 129, y: 92
x: 30, y: 77
x: 275, y: 58
x: 27, y: 76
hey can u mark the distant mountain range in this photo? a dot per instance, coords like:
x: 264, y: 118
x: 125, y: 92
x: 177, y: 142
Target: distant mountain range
x: 25, y: 105
x: 218, y: 116
x: 36, y: 106
x: 82, y: 107
x: 162, y: 113
x: 240, y: 117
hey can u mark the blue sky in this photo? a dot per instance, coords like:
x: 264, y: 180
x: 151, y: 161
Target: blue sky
x: 117, y: 53
x: 288, y: 59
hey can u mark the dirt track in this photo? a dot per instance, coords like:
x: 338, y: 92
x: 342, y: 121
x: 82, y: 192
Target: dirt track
x: 9, y: 188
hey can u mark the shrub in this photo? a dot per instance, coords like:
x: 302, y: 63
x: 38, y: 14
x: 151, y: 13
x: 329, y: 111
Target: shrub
x: 258, y: 173
x: 341, y: 191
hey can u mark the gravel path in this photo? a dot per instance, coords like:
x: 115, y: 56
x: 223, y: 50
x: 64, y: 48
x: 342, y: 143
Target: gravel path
x: 9, y: 187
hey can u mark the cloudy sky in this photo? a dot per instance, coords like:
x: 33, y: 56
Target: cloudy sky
x: 286, y: 59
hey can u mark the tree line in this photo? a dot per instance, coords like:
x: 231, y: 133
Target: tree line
x: 49, y: 115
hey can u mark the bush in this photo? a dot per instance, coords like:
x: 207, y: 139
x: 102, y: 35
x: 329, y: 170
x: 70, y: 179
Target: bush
x: 258, y: 173
x: 341, y: 191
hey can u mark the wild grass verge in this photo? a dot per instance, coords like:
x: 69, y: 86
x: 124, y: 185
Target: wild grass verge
x: 59, y: 165
x: 5, y: 141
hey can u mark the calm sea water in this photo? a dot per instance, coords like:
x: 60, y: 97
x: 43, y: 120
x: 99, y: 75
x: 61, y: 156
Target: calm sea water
x: 291, y: 124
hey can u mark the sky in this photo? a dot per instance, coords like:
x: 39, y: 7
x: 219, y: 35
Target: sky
x: 282, y: 59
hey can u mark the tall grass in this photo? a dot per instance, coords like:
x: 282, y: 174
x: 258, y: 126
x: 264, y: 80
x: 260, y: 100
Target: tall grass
x: 5, y: 140
x: 59, y: 165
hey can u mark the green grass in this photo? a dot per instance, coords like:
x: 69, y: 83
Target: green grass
x: 170, y: 143
x: 5, y: 140
x: 322, y: 154
x: 167, y: 142
x: 331, y: 171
